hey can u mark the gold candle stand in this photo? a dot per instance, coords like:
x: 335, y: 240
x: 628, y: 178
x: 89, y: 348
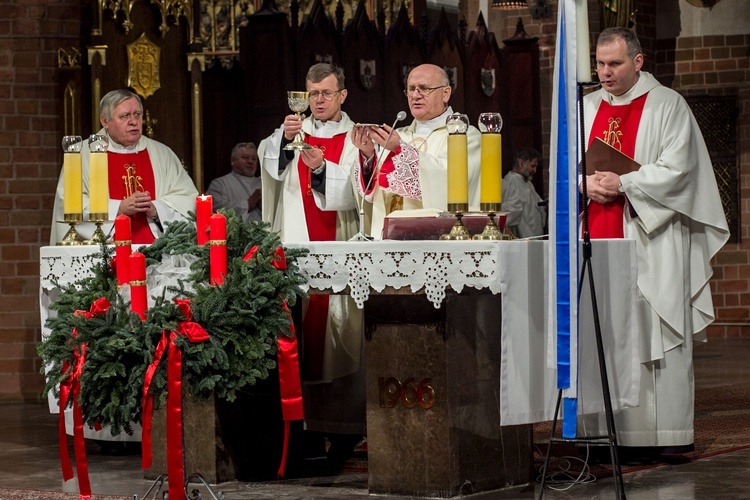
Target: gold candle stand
x: 71, y: 238
x: 98, y: 238
x: 458, y: 231
x: 491, y: 231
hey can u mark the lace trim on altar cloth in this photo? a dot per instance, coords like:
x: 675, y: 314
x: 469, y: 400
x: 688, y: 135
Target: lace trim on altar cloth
x: 429, y: 267
x: 404, y: 180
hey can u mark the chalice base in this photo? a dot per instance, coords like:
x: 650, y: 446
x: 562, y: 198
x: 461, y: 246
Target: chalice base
x: 297, y: 145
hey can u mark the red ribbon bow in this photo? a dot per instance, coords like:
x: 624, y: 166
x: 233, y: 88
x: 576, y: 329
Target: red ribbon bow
x: 71, y: 385
x: 290, y: 386
x: 195, y: 333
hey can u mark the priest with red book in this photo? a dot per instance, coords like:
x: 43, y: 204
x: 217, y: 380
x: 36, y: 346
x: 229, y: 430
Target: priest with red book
x: 670, y: 206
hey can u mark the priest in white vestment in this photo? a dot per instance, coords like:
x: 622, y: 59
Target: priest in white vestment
x: 671, y: 207
x: 308, y: 196
x: 414, y: 172
x: 526, y: 217
x: 147, y: 181
x: 240, y: 189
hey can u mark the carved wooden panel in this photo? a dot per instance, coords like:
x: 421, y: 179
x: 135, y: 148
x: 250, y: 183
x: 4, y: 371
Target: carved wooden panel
x: 364, y: 70
x: 521, y: 99
x: 403, y: 51
x: 163, y: 82
x: 205, y: 102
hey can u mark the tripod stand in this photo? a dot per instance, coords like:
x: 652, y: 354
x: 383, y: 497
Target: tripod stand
x: 611, y: 437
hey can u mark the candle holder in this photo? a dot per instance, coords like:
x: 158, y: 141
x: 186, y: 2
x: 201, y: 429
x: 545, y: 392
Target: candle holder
x: 98, y: 181
x: 98, y: 238
x: 489, y: 125
x: 71, y: 238
x: 73, y: 199
x: 491, y: 231
x: 458, y: 194
x: 458, y: 231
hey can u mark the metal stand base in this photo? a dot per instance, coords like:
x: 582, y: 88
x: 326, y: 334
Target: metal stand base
x: 194, y: 495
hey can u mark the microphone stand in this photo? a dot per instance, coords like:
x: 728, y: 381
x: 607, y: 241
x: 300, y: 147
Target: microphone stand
x: 362, y: 235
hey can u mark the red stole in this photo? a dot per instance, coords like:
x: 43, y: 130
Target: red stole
x: 618, y: 127
x: 321, y: 226
x: 129, y: 173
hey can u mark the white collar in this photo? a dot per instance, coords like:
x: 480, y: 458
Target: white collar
x: 425, y: 128
x: 119, y: 148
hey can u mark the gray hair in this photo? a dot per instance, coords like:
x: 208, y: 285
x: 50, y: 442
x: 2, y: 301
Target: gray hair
x: 113, y: 99
x: 318, y: 72
x: 240, y: 145
x: 610, y: 35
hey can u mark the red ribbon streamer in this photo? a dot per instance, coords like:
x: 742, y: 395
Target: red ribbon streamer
x: 71, y: 386
x: 290, y: 385
x: 195, y: 333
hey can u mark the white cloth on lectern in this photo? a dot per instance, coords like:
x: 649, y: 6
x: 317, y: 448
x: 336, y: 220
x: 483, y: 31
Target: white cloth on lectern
x: 528, y: 385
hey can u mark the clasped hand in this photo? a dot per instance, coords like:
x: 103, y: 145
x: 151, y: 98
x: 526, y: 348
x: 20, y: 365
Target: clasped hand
x: 601, y: 187
x: 138, y: 202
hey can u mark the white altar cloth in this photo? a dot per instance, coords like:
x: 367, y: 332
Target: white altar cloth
x: 517, y: 269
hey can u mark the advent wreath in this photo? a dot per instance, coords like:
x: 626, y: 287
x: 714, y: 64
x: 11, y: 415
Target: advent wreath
x: 243, y: 317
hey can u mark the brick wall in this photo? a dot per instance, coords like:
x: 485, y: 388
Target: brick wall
x: 718, y: 65
x: 30, y: 33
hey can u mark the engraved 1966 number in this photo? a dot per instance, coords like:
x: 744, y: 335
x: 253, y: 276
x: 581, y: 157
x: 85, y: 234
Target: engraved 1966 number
x: 409, y: 393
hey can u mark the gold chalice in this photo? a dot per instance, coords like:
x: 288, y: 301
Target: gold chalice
x: 298, y: 102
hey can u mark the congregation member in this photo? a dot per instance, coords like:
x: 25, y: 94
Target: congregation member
x: 239, y: 190
x: 527, y: 216
x: 147, y: 181
x: 308, y: 196
x: 671, y: 207
x: 414, y: 173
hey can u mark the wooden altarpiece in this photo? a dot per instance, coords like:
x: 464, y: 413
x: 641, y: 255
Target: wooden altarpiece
x: 212, y: 74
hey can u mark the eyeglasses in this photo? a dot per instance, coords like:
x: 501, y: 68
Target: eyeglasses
x: 327, y: 94
x: 126, y: 117
x: 422, y: 91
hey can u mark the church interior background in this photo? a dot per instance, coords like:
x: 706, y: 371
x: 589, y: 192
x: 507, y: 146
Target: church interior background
x: 204, y: 91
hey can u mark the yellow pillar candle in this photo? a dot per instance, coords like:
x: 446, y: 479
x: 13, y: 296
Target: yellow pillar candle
x: 458, y: 162
x: 98, y: 183
x: 491, y: 169
x: 72, y: 179
x: 458, y: 169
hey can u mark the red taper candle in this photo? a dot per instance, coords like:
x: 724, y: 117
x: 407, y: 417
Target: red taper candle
x: 123, y: 244
x: 204, y: 206
x: 138, y: 297
x: 218, y: 250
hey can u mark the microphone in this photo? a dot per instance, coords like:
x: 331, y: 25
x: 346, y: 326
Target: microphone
x: 399, y: 117
x: 361, y: 235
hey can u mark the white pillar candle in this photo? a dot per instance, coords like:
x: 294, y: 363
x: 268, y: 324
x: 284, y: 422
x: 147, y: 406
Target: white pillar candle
x: 583, y: 51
